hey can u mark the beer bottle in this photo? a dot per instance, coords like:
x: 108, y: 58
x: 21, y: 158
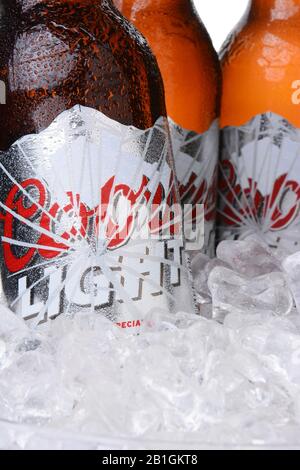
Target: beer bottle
x: 84, y: 145
x: 192, y: 80
x: 260, y: 117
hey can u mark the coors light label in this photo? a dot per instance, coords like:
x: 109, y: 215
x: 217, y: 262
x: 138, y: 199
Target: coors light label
x: 73, y: 237
x: 260, y: 182
x: 196, y: 160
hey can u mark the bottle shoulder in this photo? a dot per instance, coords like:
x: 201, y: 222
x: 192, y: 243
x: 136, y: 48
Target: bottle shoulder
x: 253, y: 42
x: 78, y: 27
x: 55, y: 58
x: 176, y: 38
x: 260, y: 65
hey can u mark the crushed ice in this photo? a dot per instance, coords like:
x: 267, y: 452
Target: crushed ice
x: 230, y: 376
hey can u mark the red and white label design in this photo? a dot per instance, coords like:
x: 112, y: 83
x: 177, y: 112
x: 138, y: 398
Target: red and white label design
x: 196, y: 161
x: 71, y: 199
x: 260, y: 182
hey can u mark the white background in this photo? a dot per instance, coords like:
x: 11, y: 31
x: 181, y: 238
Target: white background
x: 220, y: 16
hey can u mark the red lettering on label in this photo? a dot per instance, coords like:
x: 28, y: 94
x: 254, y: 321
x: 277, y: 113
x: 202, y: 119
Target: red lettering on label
x: 281, y: 207
x: 129, y: 324
x: 82, y: 219
x: 204, y: 193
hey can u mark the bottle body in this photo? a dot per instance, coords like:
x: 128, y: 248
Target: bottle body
x: 83, y: 139
x: 191, y: 75
x: 260, y: 167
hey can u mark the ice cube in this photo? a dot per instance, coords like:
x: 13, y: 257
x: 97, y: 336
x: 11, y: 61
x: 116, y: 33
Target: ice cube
x: 2, y: 349
x: 31, y: 389
x: 294, y: 318
x: 237, y: 321
x: 283, y: 349
x: 201, y: 268
x: 11, y: 326
x: 232, y: 292
x: 248, y: 257
x: 291, y: 266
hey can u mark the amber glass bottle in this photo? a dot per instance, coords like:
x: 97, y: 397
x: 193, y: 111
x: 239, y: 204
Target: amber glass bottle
x: 260, y: 115
x: 192, y: 79
x: 59, y: 53
x: 84, y: 136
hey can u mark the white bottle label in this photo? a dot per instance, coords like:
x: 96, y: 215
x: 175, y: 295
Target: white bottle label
x: 260, y: 182
x: 196, y: 160
x: 73, y: 237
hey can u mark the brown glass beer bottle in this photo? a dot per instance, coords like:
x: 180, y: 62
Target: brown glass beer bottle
x: 260, y: 117
x: 192, y: 80
x: 83, y: 139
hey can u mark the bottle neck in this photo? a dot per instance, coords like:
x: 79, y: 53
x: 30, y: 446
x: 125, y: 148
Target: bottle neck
x: 130, y: 7
x: 272, y: 10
